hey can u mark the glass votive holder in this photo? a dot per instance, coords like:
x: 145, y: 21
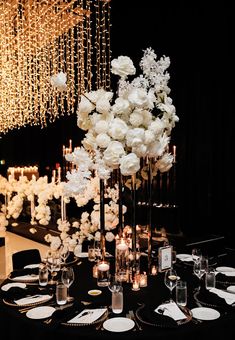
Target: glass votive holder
x: 103, y: 273
x: 143, y: 280
x: 136, y: 283
x: 154, y: 270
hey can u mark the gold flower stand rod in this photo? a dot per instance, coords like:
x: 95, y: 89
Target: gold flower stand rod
x: 42, y: 39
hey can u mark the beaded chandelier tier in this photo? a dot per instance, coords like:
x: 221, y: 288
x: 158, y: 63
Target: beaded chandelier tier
x: 38, y: 40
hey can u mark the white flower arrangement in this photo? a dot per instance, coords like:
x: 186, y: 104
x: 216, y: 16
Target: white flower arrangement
x: 137, y: 124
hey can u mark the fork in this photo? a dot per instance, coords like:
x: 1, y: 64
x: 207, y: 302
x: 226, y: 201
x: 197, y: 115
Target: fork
x: 133, y: 317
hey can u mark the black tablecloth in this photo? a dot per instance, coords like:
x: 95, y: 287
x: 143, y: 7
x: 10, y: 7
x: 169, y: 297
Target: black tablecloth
x: 17, y: 326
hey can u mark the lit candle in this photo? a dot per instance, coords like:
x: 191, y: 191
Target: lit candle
x: 143, y: 280
x: 174, y: 153
x: 154, y: 270
x: 70, y: 145
x: 22, y: 172
x: 136, y: 284
x: 53, y: 176
x: 122, y: 245
x: 59, y: 174
x: 103, y: 266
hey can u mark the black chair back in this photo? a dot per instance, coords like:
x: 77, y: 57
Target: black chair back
x: 25, y: 257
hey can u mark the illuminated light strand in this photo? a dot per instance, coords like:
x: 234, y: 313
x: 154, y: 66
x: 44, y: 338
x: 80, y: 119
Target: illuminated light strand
x: 39, y: 39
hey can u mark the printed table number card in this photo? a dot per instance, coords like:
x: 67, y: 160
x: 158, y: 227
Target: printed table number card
x: 164, y: 258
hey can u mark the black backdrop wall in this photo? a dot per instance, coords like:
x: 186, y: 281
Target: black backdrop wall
x: 198, y: 37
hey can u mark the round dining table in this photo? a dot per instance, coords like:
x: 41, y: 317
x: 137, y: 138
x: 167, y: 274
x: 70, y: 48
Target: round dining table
x: 138, y: 305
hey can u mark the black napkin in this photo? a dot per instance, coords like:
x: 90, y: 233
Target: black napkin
x: 224, y: 278
x: 64, y: 315
x: 15, y: 293
x: 21, y: 272
x: 210, y: 299
x: 147, y: 314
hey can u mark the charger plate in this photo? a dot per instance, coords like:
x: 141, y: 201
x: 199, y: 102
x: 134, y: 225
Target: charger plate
x: 12, y: 303
x: 33, y: 278
x: 185, y: 310
x: 99, y: 320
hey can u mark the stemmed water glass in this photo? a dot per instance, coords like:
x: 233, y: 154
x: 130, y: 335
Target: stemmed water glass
x: 53, y: 264
x: 67, y: 277
x: 114, y: 284
x: 64, y: 252
x: 170, y: 280
x: 196, y: 254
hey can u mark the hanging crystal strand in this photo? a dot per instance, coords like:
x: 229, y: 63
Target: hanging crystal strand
x: 149, y: 211
x: 102, y: 221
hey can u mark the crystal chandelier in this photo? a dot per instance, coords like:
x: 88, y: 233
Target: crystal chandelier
x: 40, y: 39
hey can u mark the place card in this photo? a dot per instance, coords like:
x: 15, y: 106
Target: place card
x: 164, y: 258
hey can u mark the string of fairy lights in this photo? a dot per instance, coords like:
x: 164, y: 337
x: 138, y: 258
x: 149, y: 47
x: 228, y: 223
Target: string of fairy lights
x: 39, y: 39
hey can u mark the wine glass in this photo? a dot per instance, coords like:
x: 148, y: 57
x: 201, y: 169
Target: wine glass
x: 67, y: 278
x: 196, y: 254
x: 53, y: 264
x: 170, y: 280
x: 197, y: 270
x: 114, y: 284
x: 64, y: 252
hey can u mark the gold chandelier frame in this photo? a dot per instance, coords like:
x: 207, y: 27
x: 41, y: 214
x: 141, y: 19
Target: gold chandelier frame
x: 38, y: 40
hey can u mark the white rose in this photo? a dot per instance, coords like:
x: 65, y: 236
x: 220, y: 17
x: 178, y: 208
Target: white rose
x: 103, y: 105
x: 118, y: 129
x: 157, y: 148
x: 165, y: 163
x: 157, y: 126
x: 138, y: 97
x: 149, y: 137
x: 89, y: 142
x: 55, y: 242
x: 83, y: 122
x: 85, y: 106
x: 101, y: 126
x: 136, y: 119
x: 129, y: 164
x: 103, y: 140
x: 113, y: 153
x: 147, y: 117
x: 122, y: 66
x: 140, y: 150
x: 109, y: 236
x: 121, y: 106
x: 135, y: 137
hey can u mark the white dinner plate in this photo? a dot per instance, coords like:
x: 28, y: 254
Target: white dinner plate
x: 119, y: 324
x: 41, y: 312
x: 231, y: 289
x: 204, y: 313
x: 184, y: 257
x: 94, y: 292
x: 13, y: 284
x: 225, y: 269
x: 32, y: 266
